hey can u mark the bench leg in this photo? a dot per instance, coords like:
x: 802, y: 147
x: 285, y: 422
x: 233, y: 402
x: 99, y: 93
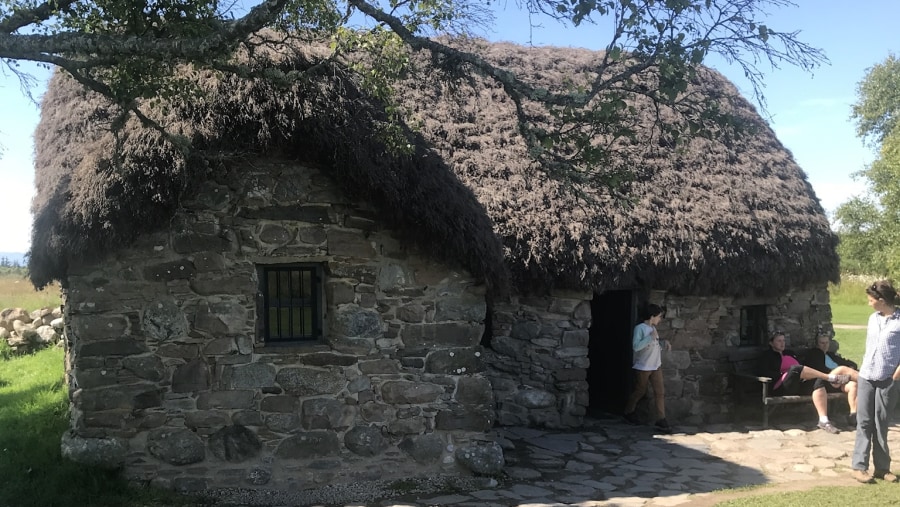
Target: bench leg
x: 765, y: 416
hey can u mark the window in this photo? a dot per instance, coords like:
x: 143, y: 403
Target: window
x: 754, y: 325
x: 290, y: 307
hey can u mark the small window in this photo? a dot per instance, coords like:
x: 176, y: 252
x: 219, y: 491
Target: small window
x: 754, y: 325
x: 291, y: 303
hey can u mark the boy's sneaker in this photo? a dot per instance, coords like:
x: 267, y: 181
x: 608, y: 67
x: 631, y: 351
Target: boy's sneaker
x: 663, y: 425
x: 840, y: 380
x: 632, y: 418
x: 828, y: 427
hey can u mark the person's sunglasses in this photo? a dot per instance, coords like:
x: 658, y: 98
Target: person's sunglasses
x: 874, y: 288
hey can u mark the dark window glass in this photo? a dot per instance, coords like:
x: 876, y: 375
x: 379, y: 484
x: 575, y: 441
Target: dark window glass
x: 754, y: 325
x: 291, y: 303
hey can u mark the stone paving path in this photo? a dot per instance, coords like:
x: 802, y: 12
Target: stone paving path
x: 611, y: 463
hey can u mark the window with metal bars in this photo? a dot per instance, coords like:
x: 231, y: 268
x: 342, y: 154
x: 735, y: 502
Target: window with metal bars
x: 291, y: 303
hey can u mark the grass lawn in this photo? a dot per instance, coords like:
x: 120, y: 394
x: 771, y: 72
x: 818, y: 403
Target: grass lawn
x: 849, y: 306
x: 33, y: 416
x: 853, y: 343
x: 16, y: 291
x: 826, y: 496
x: 855, y: 314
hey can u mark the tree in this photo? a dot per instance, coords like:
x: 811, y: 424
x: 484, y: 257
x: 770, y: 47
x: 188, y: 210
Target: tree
x: 131, y: 51
x: 869, y: 227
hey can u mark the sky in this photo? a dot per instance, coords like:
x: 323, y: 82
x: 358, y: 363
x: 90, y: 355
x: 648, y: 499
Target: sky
x: 810, y: 112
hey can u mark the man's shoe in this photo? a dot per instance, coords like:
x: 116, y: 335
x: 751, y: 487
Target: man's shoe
x: 886, y: 475
x: 862, y: 476
x: 828, y: 427
x: 663, y: 425
x: 851, y: 420
x: 632, y: 418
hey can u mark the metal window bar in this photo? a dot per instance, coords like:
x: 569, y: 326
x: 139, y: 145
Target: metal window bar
x: 292, y: 305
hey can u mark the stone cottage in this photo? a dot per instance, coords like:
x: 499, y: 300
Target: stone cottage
x: 292, y: 304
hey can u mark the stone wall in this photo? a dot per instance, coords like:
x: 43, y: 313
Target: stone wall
x: 538, y: 359
x: 538, y: 355
x: 27, y: 332
x: 169, y: 378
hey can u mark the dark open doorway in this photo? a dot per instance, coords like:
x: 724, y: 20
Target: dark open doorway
x: 609, y: 351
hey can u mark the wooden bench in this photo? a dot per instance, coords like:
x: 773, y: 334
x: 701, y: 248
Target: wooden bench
x: 746, y: 381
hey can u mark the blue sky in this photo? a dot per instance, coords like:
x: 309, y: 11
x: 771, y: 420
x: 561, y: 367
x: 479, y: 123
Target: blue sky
x: 810, y: 112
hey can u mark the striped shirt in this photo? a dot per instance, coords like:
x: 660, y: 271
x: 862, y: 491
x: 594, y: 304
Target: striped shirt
x: 882, y: 347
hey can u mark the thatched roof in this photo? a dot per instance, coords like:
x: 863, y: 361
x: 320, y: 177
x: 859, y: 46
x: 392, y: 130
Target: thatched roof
x: 724, y: 217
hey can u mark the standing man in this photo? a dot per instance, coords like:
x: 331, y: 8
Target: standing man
x: 880, y: 368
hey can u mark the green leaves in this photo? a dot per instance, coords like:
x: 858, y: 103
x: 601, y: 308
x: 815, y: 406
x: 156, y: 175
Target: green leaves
x: 877, y: 109
x: 869, y: 227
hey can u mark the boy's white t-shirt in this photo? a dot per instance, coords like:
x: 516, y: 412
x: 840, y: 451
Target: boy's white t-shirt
x: 648, y: 357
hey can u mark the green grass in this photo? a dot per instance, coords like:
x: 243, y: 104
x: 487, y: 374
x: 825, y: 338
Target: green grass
x: 16, y: 291
x: 825, y: 496
x: 33, y: 416
x: 849, y: 306
x: 851, y: 291
x: 857, y: 314
x: 853, y: 343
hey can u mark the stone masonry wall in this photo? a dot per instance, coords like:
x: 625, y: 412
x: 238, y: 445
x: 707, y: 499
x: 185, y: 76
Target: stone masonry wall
x: 703, y: 330
x: 538, y: 359
x: 538, y: 356
x: 169, y: 379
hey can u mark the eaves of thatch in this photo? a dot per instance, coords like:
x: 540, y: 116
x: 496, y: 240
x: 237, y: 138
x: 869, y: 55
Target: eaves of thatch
x: 729, y: 217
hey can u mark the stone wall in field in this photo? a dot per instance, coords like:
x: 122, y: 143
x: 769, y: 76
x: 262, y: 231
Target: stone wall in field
x: 26, y: 332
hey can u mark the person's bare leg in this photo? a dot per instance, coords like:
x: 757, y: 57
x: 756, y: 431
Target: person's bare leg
x: 659, y: 392
x: 820, y: 401
x: 808, y: 373
x: 850, y: 389
x: 640, y: 388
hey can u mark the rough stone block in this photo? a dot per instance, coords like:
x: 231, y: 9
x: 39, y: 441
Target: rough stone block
x: 365, y: 441
x: 176, y: 447
x: 463, y: 418
x: 405, y: 392
x: 345, y: 243
x: 192, y: 376
x: 226, y: 400
x: 475, y: 391
x: 234, y: 444
x: 254, y: 375
x: 310, y: 381
x: 106, y: 452
x: 166, y: 271
x: 311, y: 444
x: 454, y: 362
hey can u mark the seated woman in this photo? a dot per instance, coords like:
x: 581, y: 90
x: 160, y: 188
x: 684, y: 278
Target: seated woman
x: 791, y: 378
x: 822, y: 359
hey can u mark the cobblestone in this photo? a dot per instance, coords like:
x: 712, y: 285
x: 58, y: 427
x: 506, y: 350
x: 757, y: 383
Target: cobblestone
x: 609, y: 463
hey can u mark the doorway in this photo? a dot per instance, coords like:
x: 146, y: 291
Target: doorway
x: 609, y: 376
